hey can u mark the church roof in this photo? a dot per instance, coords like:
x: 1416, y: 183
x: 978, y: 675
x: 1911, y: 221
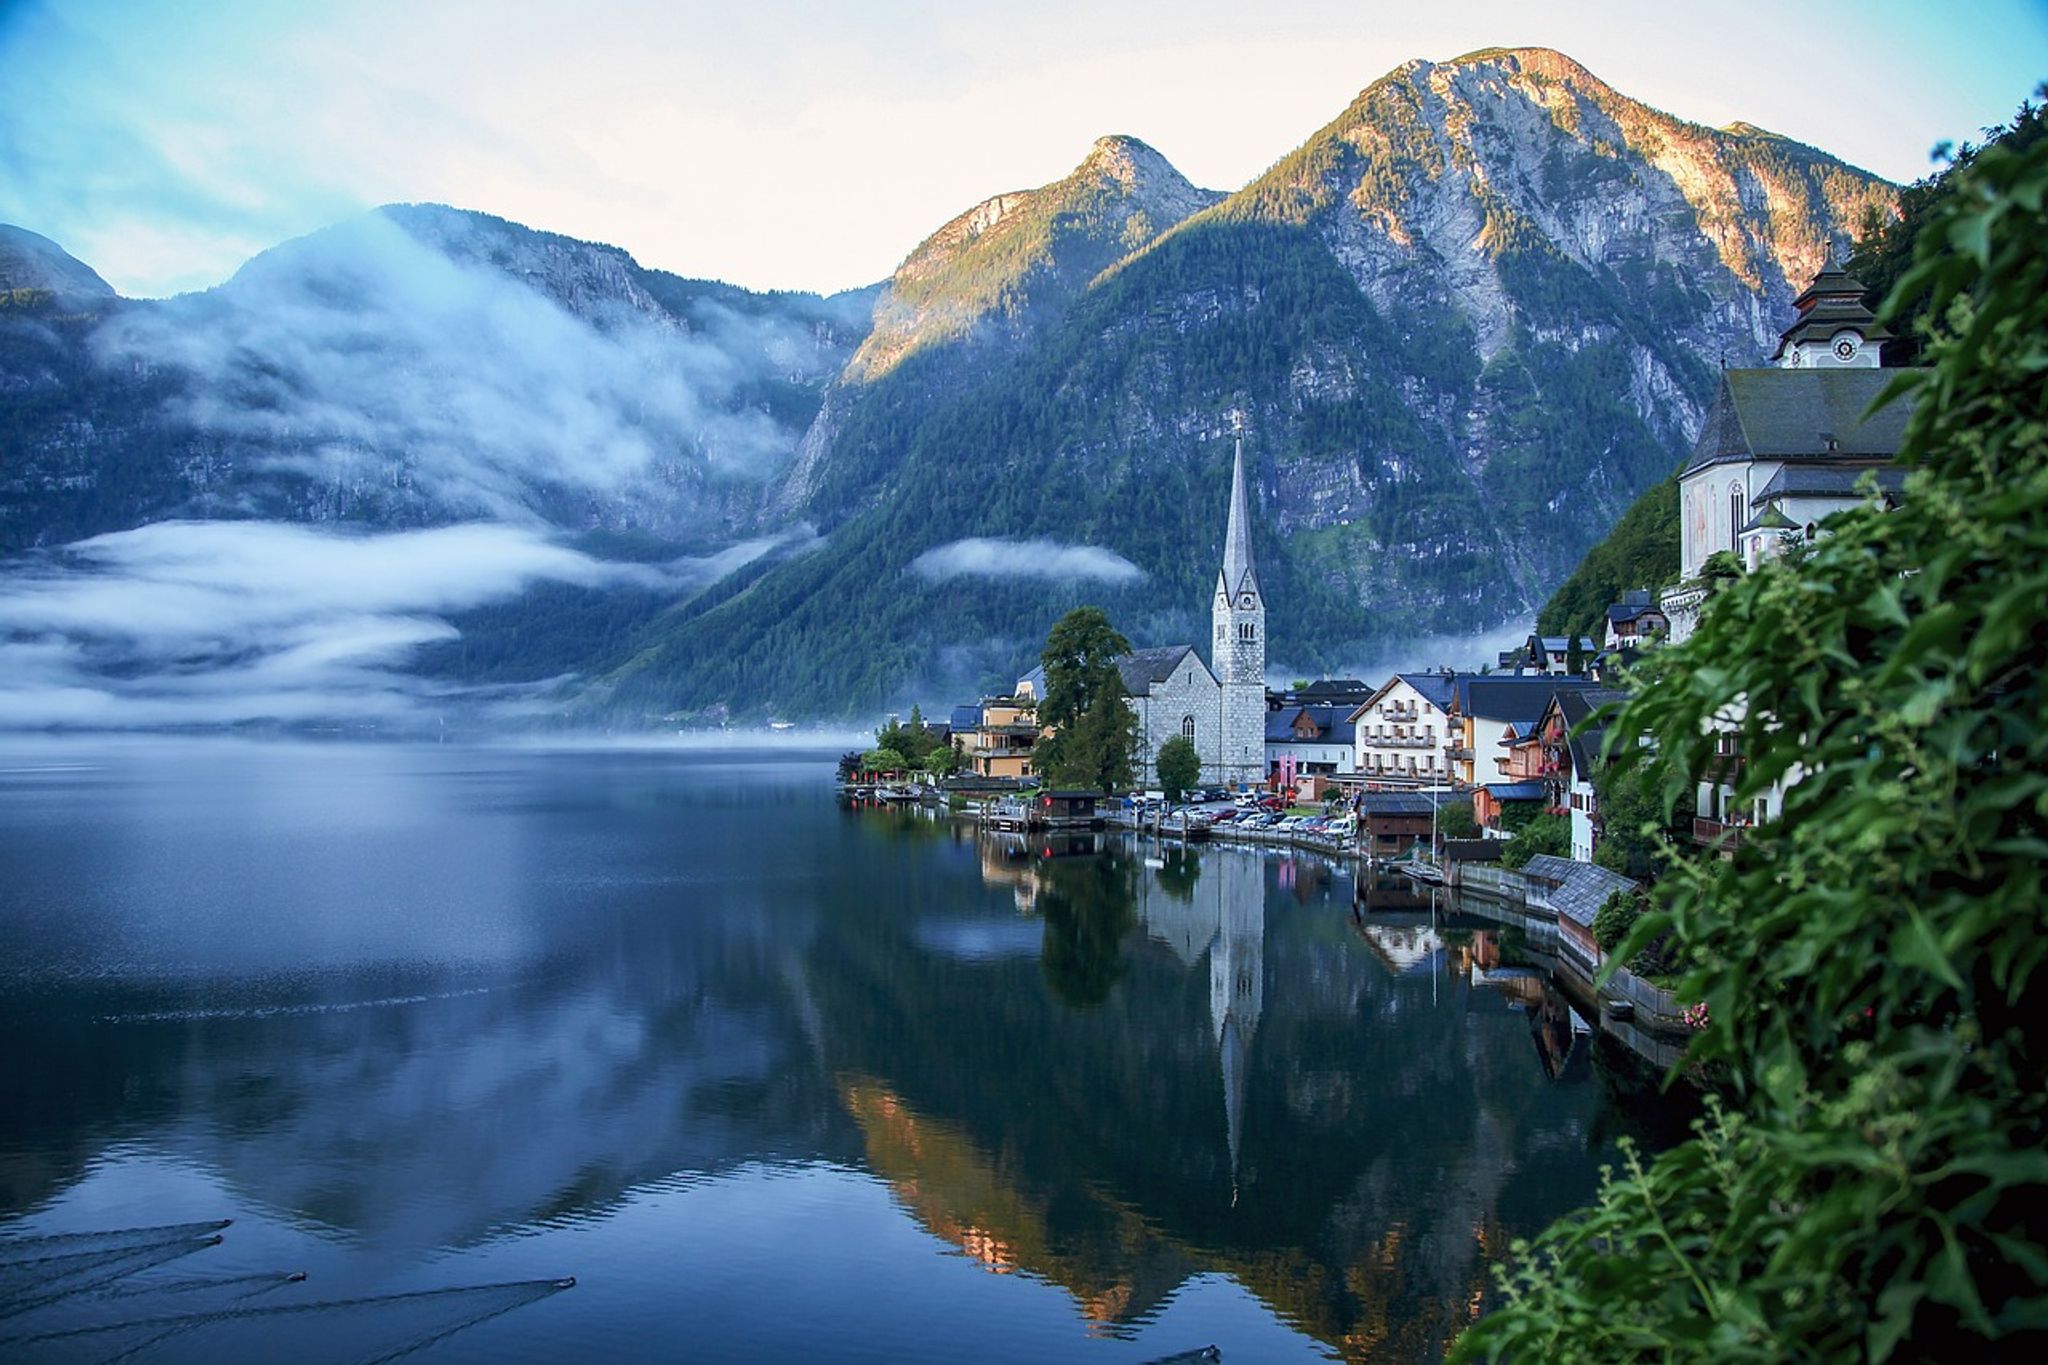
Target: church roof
x: 1819, y: 415
x: 1827, y: 481
x: 1142, y: 668
x: 1238, y: 572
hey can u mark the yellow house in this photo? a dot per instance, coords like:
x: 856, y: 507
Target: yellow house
x: 1001, y: 745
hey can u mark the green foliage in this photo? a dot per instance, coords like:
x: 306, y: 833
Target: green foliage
x: 1639, y: 831
x: 1457, y: 822
x: 1094, y: 727
x: 1640, y: 552
x: 1180, y: 767
x: 1871, y: 962
x: 884, y: 761
x: 1545, y: 832
x: 1616, y: 918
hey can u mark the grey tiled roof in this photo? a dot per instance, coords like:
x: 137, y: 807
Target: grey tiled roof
x: 1143, y: 667
x: 1793, y: 414
x: 1577, y: 890
x: 1827, y: 481
x: 1512, y: 698
x: 1410, y: 803
x: 1515, y: 791
x: 1332, y: 722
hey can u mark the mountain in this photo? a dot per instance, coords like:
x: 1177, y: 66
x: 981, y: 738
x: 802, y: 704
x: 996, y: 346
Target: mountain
x: 1468, y: 322
x: 31, y: 263
x: 414, y: 366
x: 1464, y: 324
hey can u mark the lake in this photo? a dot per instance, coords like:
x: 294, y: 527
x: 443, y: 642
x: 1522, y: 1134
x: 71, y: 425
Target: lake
x: 770, y: 1078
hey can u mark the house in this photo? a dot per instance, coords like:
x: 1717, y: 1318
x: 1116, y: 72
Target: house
x: 1548, y: 654
x: 1493, y: 800
x: 1578, y: 756
x: 1783, y: 448
x: 1633, y: 620
x: 1400, y: 732
x: 1486, y: 709
x: 1001, y: 741
x: 1392, y: 823
x: 1306, y: 741
x: 1574, y: 892
x: 1348, y: 693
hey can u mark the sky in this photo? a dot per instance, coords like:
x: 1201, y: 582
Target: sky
x: 802, y: 144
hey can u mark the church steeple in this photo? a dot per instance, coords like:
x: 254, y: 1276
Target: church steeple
x: 1238, y: 575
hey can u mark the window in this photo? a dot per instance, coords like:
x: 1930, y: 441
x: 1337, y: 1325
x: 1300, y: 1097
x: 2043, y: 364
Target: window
x: 1734, y: 513
x: 1187, y: 728
x: 1247, y: 631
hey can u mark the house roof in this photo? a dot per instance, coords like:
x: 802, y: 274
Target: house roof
x: 1141, y: 668
x: 1577, y: 890
x: 1818, y: 415
x: 1410, y: 803
x: 965, y: 718
x: 1828, y: 481
x: 1333, y: 725
x: 1633, y: 605
x: 1583, y: 740
x: 1035, y: 680
x: 1515, y: 791
x: 1335, y: 689
x: 1434, y: 688
x: 1511, y: 698
x: 1772, y: 518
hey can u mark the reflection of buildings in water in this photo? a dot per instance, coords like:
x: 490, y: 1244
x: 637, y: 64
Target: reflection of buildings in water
x: 1222, y: 912
x: 1015, y: 859
x: 1404, y: 945
x: 1561, y: 1037
x: 1376, y: 889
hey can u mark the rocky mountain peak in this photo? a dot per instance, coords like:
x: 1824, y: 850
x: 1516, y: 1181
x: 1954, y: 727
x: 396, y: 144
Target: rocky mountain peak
x: 29, y: 260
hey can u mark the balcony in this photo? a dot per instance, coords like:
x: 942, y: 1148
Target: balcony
x: 1457, y: 751
x: 1399, y: 742
x: 1399, y: 712
x: 1716, y: 834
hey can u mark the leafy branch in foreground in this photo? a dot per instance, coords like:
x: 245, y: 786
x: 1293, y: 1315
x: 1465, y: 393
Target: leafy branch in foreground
x: 1876, y: 1186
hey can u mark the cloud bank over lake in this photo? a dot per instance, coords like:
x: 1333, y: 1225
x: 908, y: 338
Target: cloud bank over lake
x: 220, y: 623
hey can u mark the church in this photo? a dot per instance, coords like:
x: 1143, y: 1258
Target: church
x: 1219, y: 705
x: 1785, y: 446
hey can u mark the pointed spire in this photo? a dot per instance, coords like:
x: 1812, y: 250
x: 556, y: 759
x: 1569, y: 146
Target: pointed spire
x: 1238, y: 572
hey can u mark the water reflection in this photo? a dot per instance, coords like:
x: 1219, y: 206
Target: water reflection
x: 1092, y: 1064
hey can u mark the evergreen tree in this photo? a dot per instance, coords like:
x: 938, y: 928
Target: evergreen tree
x: 1180, y: 767
x: 1095, y: 729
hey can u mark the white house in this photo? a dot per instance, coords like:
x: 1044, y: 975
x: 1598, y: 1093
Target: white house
x: 1305, y: 740
x: 1401, y: 732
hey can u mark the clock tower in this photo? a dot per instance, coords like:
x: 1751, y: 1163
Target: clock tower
x: 1833, y: 331
x: 1238, y: 649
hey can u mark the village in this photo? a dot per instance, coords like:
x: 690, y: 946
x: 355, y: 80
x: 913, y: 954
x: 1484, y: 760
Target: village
x: 1500, y: 782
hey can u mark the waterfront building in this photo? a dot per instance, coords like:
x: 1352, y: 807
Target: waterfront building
x: 1311, y: 741
x: 1400, y: 732
x: 1487, y: 710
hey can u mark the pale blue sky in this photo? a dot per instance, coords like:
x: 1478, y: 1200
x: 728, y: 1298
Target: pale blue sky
x: 810, y: 145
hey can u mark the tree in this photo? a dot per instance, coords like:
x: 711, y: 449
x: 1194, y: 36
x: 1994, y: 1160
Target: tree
x: 884, y: 761
x: 1549, y: 832
x: 1575, y: 655
x: 1094, y: 727
x: 1180, y: 767
x: 1869, y: 966
x: 1457, y: 822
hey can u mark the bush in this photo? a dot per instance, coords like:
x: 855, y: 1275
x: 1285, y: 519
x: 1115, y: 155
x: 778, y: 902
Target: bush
x: 1549, y: 832
x: 1878, y: 1186
x: 1457, y: 822
x: 1616, y: 918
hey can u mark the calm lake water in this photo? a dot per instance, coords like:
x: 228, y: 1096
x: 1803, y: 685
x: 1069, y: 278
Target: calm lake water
x: 770, y: 1078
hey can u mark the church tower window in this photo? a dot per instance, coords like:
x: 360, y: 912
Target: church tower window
x: 1734, y: 514
x: 1187, y: 728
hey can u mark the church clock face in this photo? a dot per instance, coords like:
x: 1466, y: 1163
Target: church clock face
x: 1845, y: 348
x: 1247, y: 601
